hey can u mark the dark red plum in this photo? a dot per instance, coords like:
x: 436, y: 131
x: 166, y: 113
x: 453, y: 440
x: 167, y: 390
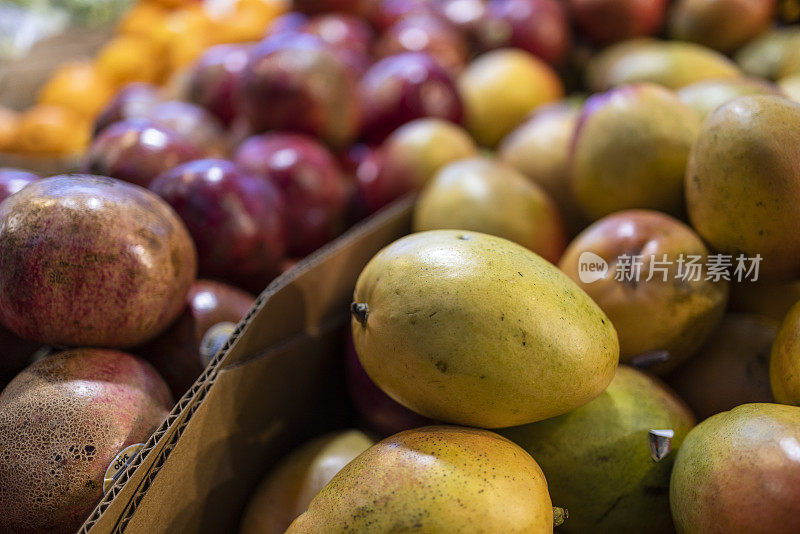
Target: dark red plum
x: 133, y: 100
x: 91, y: 261
x: 192, y: 122
x: 177, y: 353
x: 234, y: 217
x: 404, y: 87
x: 340, y: 30
x: 426, y: 33
x: 379, y: 412
x: 215, y: 79
x: 12, y: 180
x: 138, y: 150
x: 540, y: 27
x: 315, y: 189
x: 283, y: 89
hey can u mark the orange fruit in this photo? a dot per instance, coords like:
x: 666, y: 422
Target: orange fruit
x: 78, y: 86
x: 130, y: 58
x: 247, y: 21
x: 141, y: 19
x: 51, y: 130
x: 9, y: 125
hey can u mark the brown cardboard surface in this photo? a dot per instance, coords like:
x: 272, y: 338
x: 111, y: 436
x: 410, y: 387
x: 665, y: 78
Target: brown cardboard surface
x: 278, y: 381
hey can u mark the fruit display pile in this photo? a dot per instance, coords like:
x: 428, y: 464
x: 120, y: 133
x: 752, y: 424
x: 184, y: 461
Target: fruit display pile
x: 591, y: 328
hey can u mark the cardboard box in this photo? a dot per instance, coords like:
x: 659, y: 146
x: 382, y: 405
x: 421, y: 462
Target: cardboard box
x: 278, y: 382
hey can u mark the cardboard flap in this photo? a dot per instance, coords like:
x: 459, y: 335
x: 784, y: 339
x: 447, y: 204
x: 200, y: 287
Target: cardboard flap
x: 278, y: 381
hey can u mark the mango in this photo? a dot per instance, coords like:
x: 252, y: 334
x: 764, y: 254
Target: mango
x: 732, y: 368
x: 500, y: 88
x: 706, y: 96
x: 484, y: 195
x: 790, y: 86
x: 673, y: 64
x: 764, y: 56
x: 724, y: 25
x: 743, y: 180
x: 434, y: 479
x: 473, y: 329
x: 636, y: 265
x: 287, y: 490
x: 771, y: 299
x: 784, y: 364
x: 598, y: 459
x: 630, y: 150
x: 738, y: 472
x: 539, y: 149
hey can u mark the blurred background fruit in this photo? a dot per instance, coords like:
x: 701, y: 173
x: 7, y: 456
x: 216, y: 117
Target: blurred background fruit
x: 539, y: 148
x: 408, y: 159
x: 724, y: 25
x: 757, y: 214
x: 630, y: 149
x: 485, y: 195
x: 611, y: 21
x: 315, y: 191
x: 137, y: 150
x: 500, y: 88
x: 236, y: 219
x: 404, y: 87
x: 732, y: 368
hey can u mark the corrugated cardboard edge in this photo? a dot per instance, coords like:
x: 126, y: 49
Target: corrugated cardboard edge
x: 120, y: 503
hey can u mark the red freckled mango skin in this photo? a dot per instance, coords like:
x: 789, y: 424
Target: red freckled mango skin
x: 62, y: 422
x: 91, y: 261
x: 431, y: 480
x: 738, y: 472
x: 473, y: 329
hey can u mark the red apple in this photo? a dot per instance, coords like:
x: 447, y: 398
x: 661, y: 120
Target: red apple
x: 138, y: 150
x: 315, y: 189
x: 404, y: 87
x: 12, y: 180
x: 176, y: 354
x: 281, y: 89
x: 235, y: 219
x: 611, y: 21
x: 215, y: 79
